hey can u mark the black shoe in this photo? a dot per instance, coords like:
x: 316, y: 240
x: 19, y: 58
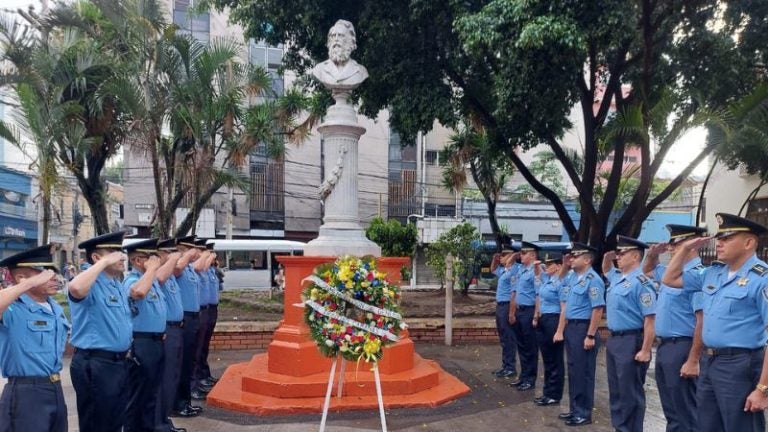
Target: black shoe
x: 565, y: 416
x: 209, y: 382
x: 197, y: 395
x: 204, y: 388
x: 516, y: 383
x: 578, y: 421
x: 525, y: 386
x: 186, y: 412
x: 196, y: 408
x: 175, y: 429
x: 507, y: 373
x: 544, y: 401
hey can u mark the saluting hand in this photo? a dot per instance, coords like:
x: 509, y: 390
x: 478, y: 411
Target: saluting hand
x: 657, y: 249
x: 756, y: 402
x: 697, y: 243
x: 113, y: 258
x: 609, y: 256
x: 174, y: 256
x: 152, y: 263
x: 41, y: 278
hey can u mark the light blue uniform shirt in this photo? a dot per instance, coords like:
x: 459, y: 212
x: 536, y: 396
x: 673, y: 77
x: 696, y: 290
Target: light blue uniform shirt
x: 504, y: 285
x: 525, y: 289
x: 583, y: 292
x: 213, y: 287
x: 630, y: 298
x: 677, y: 308
x: 152, y: 310
x: 549, y: 289
x: 32, y: 338
x: 735, y: 307
x: 190, y: 294
x: 102, y: 320
x: 202, y: 281
x: 172, y: 296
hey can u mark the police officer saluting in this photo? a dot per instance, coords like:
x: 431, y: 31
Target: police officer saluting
x: 631, y: 300
x: 584, y: 303
x: 202, y: 264
x: 521, y: 310
x: 732, y: 390
x: 33, y: 332
x: 505, y: 268
x: 678, y: 326
x: 548, y: 321
x: 206, y: 380
x: 101, y: 334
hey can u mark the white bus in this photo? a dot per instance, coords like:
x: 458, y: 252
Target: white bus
x: 252, y: 263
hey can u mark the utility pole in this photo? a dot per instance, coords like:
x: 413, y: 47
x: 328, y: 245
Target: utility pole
x: 230, y: 216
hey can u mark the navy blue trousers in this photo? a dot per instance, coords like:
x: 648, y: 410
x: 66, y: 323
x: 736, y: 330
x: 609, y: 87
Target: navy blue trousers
x: 527, y: 347
x: 37, y: 406
x: 506, y: 337
x: 677, y: 394
x: 724, y: 385
x: 101, y: 386
x: 551, y: 355
x: 191, y: 323
x: 174, y: 350
x: 581, y: 369
x: 626, y: 381
x: 145, y: 377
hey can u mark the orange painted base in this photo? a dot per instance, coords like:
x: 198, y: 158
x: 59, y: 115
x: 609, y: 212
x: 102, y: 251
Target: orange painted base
x: 292, y: 376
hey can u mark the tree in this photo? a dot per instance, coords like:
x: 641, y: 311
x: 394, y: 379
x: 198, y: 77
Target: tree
x: 460, y: 241
x: 395, y: 239
x: 517, y: 68
x: 545, y: 168
x: 489, y: 168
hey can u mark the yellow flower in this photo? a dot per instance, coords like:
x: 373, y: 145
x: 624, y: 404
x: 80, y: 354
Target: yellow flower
x: 350, y: 284
x: 365, y: 284
x: 313, y: 294
x: 372, y: 347
x: 344, y: 273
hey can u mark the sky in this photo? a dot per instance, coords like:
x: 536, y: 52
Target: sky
x: 678, y: 158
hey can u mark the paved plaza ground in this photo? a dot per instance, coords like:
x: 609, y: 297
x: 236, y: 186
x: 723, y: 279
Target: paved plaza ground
x: 492, y: 404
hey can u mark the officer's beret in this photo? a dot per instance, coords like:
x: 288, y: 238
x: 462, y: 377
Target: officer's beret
x: 678, y: 233
x: 548, y: 256
x: 528, y: 246
x: 729, y: 224
x: 188, y: 241
x: 581, y: 248
x: 39, y: 257
x: 200, y: 243
x: 106, y: 241
x: 144, y: 246
x: 624, y: 243
x: 168, y: 245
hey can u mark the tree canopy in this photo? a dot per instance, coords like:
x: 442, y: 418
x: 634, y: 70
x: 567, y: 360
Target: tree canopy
x: 516, y: 69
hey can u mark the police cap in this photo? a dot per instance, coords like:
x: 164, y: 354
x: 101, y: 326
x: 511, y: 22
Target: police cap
x: 624, y: 243
x: 549, y: 257
x: 200, y: 243
x: 528, y: 247
x: 188, y: 241
x: 581, y: 249
x: 729, y: 224
x: 168, y: 245
x: 678, y: 233
x: 38, y: 258
x: 145, y: 246
x: 112, y: 241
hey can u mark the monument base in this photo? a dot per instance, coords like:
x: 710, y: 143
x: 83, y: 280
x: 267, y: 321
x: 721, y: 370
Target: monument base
x: 338, y: 242
x: 292, y: 376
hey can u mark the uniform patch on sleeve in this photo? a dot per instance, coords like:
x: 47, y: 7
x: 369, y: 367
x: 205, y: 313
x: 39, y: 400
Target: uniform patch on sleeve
x: 593, y: 292
x: 646, y: 299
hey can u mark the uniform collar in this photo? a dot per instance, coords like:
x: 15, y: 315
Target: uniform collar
x: 33, y: 305
x: 632, y: 273
x: 742, y: 272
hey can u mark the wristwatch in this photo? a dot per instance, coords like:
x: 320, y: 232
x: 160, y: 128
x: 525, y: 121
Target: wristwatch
x: 762, y: 388
x: 589, y: 336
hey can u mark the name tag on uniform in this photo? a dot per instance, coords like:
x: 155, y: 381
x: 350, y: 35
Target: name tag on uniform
x: 40, y: 323
x: 113, y: 299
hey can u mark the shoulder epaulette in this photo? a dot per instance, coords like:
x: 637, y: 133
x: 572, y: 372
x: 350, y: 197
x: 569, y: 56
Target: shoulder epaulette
x: 699, y: 267
x: 589, y: 276
x: 717, y: 263
x: 644, y: 280
x: 759, y: 269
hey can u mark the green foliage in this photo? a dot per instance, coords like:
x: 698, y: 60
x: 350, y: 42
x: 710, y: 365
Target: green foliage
x: 545, y: 167
x: 460, y: 241
x: 395, y: 239
x: 114, y: 172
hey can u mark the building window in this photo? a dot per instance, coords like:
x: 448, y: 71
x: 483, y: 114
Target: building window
x: 199, y: 26
x: 549, y: 238
x: 439, y: 210
x: 431, y: 157
x: 271, y: 59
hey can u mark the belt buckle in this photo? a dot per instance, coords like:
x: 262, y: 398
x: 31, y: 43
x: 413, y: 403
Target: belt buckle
x: 54, y: 378
x: 710, y: 352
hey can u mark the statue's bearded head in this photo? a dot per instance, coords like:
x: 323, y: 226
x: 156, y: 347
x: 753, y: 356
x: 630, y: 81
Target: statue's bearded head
x: 341, y: 42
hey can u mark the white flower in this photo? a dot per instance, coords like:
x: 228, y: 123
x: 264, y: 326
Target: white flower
x: 403, y: 325
x: 369, y: 315
x: 329, y: 342
x: 348, y: 338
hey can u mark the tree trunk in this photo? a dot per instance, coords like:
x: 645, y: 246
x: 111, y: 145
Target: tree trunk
x: 46, y: 202
x: 704, y: 190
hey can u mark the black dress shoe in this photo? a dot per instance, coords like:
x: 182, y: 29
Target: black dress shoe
x: 578, y: 421
x: 209, y: 382
x: 196, y: 408
x: 204, y: 388
x: 565, y: 416
x: 544, y: 401
x: 516, y: 383
x: 197, y: 395
x: 186, y: 412
x: 507, y: 373
x: 175, y: 429
x: 525, y: 386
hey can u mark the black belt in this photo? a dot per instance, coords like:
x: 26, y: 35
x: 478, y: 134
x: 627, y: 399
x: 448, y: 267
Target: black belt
x: 626, y: 332
x: 557, y: 314
x: 191, y: 314
x: 524, y: 307
x: 717, y: 352
x: 675, y: 339
x: 174, y: 323
x: 203, y: 307
x: 502, y: 303
x: 103, y: 354
x: 149, y: 335
x: 577, y: 321
x: 50, y: 379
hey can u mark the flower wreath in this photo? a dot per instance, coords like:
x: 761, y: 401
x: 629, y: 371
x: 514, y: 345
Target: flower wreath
x: 352, y: 309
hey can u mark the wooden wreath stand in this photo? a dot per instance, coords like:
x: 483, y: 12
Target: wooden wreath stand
x: 292, y: 376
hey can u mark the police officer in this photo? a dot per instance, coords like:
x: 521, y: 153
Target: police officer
x: 101, y: 334
x: 173, y: 345
x: 206, y: 379
x: 190, y: 299
x: 521, y: 309
x: 678, y: 327
x: 547, y: 321
x: 203, y: 263
x: 149, y: 316
x: 631, y: 303
x: 584, y: 303
x: 732, y: 391
x: 505, y: 268
x: 33, y: 332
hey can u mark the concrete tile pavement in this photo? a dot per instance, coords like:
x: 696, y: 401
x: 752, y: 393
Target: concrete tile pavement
x: 492, y: 403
